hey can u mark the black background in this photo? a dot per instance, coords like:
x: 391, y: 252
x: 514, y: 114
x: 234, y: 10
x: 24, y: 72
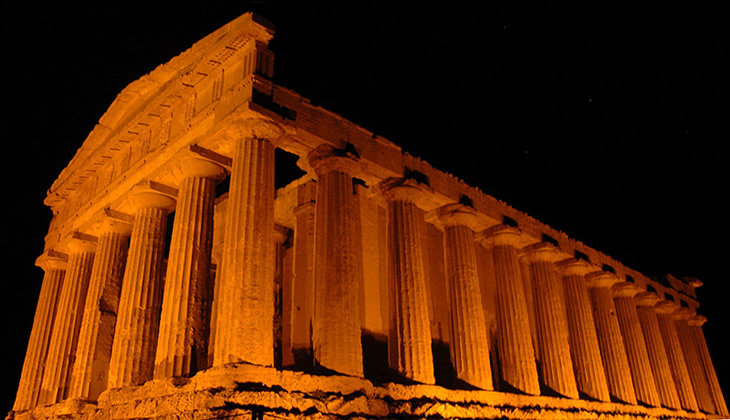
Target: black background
x: 606, y: 122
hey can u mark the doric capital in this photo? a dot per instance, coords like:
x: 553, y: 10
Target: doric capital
x: 190, y: 166
x: 665, y: 307
x: 150, y: 195
x: 696, y: 320
x: 325, y: 159
x: 52, y: 260
x: 647, y: 299
x: 542, y: 251
x: 683, y: 314
x: 624, y: 289
x: 406, y: 189
x: 80, y: 242
x: 281, y: 234
x: 601, y: 279
x: 574, y: 266
x: 502, y: 235
x: 113, y: 221
x: 456, y: 214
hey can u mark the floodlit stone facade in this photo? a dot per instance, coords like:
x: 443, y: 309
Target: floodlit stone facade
x: 182, y: 280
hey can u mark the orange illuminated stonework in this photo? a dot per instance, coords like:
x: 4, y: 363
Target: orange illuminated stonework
x: 184, y: 279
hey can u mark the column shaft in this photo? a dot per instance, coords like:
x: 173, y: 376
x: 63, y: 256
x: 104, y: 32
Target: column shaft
x: 552, y: 327
x: 303, y: 281
x: 135, y: 335
x: 676, y: 359
x: 411, y: 353
x: 40, y: 336
x: 244, y: 297
x: 643, y: 377
x: 610, y: 341
x: 468, y: 324
x: 590, y: 374
x: 182, y: 345
x: 704, y: 354
x: 66, y: 326
x: 694, y: 364
x: 657, y: 354
x: 516, y: 354
x: 90, y: 372
x: 338, y: 265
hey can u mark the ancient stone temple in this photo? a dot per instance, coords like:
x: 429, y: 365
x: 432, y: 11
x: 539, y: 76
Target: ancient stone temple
x: 182, y: 280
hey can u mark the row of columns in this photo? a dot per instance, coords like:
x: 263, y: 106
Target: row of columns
x: 591, y: 336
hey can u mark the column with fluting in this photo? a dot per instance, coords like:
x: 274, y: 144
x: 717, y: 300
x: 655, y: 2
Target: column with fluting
x: 586, y: 354
x: 182, y: 344
x: 628, y: 320
x: 138, y: 320
x: 66, y: 326
x: 658, y: 359
x: 303, y: 276
x: 410, y: 344
x: 54, y: 266
x: 244, y: 330
x: 551, y: 322
x: 696, y: 371
x: 695, y: 328
x: 665, y: 315
x: 338, y: 264
x: 516, y: 354
x: 610, y: 340
x: 90, y: 372
x: 470, y: 344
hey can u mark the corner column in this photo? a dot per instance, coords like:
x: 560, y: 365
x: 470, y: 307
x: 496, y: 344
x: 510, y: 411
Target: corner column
x: 90, y: 372
x: 66, y: 326
x: 182, y: 344
x: 135, y: 335
x: 54, y: 266
x: 516, y: 354
x: 695, y: 328
x: 553, y: 345
x: 610, y: 340
x: 694, y: 363
x: 410, y: 344
x: 338, y: 264
x: 665, y: 314
x: 470, y: 351
x: 244, y: 330
x: 655, y: 347
x: 588, y: 364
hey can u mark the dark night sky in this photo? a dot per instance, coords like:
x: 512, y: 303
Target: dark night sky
x: 606, y: 123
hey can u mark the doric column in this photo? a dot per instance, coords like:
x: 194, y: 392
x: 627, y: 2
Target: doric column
x: 655, y: 347
x: 281, y: 311
x: 90, y: 372
x: 66, y: 326
x: 54, y: 265
x: 628, y: 320
x: 588, y: 364
x: 692, y: 357
x: 244, y: 330
x: 182, y: 344
x: 695, y: 328
x: 551, y: 323
x: 303, y: 277
x: 138, y: 320
x: 338, y: 265
x: 516, y: 354
x: 610, y: 340
x: 470, y: 344
x: 665, y: 314
x: 410, y: 344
